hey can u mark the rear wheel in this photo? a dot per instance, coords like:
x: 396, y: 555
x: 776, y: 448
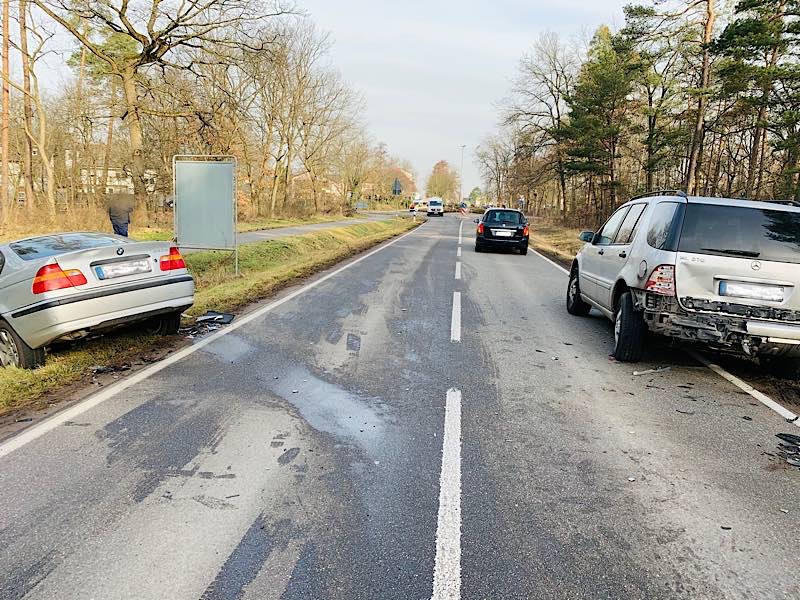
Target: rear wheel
x: 166, y: 324
x: 478, y: 248
x: 630, y: 331
x: 523, y: 250
x: 575, y: 304
x: 14, y: 352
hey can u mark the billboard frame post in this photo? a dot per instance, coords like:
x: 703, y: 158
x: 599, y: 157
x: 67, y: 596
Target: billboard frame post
x: 232, y: 246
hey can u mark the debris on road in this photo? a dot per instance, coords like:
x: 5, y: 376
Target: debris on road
x: 652, y: 371
x: 631, y: 479
x: 684, y: 412
x: 101, y: 369
x: 726, y: 527
x: 215, y: 317
x: 789, y: 450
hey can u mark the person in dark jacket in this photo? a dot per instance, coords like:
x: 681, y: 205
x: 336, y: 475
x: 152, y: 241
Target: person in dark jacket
x: 120, y: 207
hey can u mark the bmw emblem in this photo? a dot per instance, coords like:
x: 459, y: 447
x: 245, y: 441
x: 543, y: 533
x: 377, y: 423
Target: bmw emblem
x: 120, y: 251
x: 755, y: 265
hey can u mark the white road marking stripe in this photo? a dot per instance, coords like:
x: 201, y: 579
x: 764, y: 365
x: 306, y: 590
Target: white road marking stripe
x: 746, y: 387
x: 460, y: 230
x: 458, y: 254
x: 447, y: 569
x: 455, y: 321
x: 458, y: 270
x: 37, y: 431
x: 555, y: 264
x: 740, y: 383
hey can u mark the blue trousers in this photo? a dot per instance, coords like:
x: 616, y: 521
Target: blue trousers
x: 120, y: 228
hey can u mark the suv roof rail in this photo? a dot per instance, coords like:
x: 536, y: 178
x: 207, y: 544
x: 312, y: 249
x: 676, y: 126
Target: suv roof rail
x: 789, y: 202
x: 680, y: 193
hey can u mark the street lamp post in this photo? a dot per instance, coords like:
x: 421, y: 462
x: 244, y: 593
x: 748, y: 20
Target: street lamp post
x: 461, y: 177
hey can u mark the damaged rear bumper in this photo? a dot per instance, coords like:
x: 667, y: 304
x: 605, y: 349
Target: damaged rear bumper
x: 739, y: 333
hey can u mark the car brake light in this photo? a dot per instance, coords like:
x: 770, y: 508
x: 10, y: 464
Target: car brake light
x: 480, y: 227
x: 525, y: 231
x: 662, y: 281
x: 52, y: 277
x: 172, y: 261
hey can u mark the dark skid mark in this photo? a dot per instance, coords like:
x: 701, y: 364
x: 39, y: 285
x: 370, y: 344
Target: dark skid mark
x: 353, y: 343
x: 288, y: 456
x: 306, y: 577
x: 247, y: 559
x: 16, y: 585
x: 182, y: 430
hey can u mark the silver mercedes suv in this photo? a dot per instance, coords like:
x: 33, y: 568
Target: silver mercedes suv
x: 718, y: 271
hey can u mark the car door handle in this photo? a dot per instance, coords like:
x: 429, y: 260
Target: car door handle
x: 601, y: 252
x: 623, y: 254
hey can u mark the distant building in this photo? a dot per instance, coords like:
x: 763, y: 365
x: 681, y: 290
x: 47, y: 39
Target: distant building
x: 119, y: 181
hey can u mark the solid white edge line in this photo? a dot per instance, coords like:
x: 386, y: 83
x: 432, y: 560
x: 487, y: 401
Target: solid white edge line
x: 455, y: 320
x: 731, y: 378
x: 746, y: 387
x: 458, y: 253
x: 447, y: 568
x: 458, y: 270
x: 460, y: 230
x: 40, y: 429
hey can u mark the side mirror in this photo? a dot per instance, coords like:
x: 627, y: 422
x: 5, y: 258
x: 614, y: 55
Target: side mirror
x: 586, y: 236
x: 476, y: 220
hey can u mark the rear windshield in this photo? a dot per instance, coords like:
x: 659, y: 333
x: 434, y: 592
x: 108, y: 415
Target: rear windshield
x: 53, y: 245
x: 754, y: 233
x: 435, y: 203
x: 509, y: 217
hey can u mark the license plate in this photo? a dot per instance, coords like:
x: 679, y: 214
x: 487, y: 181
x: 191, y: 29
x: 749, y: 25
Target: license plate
x: 122, y: 269
x: 751, y: 291
x: 502, y: 233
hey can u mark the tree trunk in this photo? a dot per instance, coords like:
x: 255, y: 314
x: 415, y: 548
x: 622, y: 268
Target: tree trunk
x: 109, y: 135
x: 702, y: 102
x: 27, y: 108
x: 6, y: 107
x: 136, y: 136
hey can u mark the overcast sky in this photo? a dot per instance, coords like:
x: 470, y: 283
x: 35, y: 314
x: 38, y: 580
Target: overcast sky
x: 432, y: 72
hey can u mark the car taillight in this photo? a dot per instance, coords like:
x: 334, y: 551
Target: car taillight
x: 52, y: 277
x: 480, y: 227
x: 662, y: 281
x: 172, y: 261
x: 525, y: 231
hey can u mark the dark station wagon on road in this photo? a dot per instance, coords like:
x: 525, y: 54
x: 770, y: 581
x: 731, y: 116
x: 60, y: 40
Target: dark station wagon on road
x: 502, y: 228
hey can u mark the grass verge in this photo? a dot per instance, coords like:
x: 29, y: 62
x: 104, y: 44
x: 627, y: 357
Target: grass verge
x: 557, y: 242
x: 147, y: 234
x: 265, y: 267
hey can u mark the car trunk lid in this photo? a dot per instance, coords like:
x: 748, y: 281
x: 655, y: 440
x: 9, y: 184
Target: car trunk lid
x: 741, y: 260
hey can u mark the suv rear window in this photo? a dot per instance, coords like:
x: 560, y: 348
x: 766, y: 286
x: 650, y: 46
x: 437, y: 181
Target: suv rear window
x: 765, y: 234
x: 53, y: 245
x: 435, y: 203
x: 509, y: 217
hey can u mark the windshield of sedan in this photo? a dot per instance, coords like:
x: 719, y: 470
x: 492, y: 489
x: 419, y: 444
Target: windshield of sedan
x: 52, y: 245
x: 503, y: 217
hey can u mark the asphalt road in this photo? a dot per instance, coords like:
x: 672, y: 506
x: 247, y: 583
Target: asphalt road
x: 339, y: 444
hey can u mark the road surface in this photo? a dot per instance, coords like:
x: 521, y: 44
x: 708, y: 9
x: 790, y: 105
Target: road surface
x: 423, y: 421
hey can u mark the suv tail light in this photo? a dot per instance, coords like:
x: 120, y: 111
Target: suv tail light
x: 525, y: 231
x: 480, y: 228
x: 52, y: 277
x: 662, y: 280
x: 172, y: 261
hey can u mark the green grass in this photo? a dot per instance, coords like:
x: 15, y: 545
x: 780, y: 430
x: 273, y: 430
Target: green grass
x: 556, y: 241
x: 265, y: 267
x: 160, y: 234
